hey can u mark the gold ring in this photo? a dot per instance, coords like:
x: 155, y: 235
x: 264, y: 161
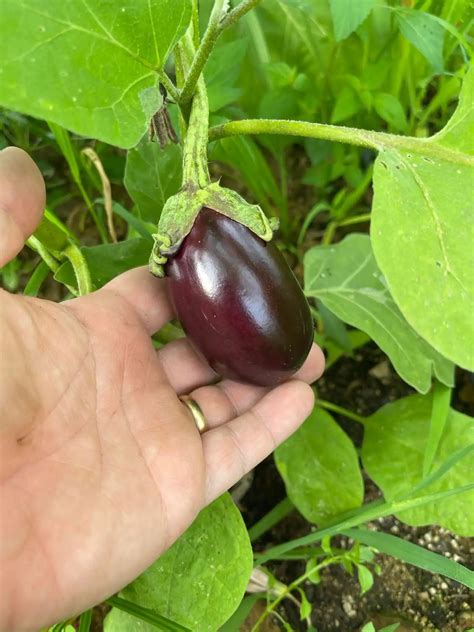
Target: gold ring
x: 196, y: 412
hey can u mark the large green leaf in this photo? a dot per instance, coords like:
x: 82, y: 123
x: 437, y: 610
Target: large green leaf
x: 345, y: 277
x: 201, y: 580
x: 320, y: 467
x: 152, y: 175
x: 393, y: 452
x: 347, y: 15
x: 88, y: 65
x: 423, y: 231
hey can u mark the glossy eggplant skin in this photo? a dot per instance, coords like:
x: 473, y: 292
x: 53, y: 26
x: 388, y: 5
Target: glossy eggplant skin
x: 239, y: 302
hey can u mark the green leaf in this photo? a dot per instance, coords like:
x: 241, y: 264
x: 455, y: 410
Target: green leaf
x: 413, y: 554
x: 143, y: 229
x: 393, y: 454
x: 222, y: 71
x: 320, y: 467
x: 201, y: 580
x: 305, y: 607
x: 345, y: 277
x: 422, y: 232
x: 107, y: 261
x: 365, y: 577
x: 368, y: 627
x: 84, y: 65
x: 152, y: 175
x: 425, y: 33
x: 391, y: 111
x: 347, y: 15
x: 347, y: 105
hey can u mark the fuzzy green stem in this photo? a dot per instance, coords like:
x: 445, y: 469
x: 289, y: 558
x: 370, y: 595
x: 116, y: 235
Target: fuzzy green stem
x: 241, y: 9
x: 195, y: 168
x: 35, y: 244
x: 341, y: 134
x: 216, y: 25
x: 80, y: 267
x: 202, y: 54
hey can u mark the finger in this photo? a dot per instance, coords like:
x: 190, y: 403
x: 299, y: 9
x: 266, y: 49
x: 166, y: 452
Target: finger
x: 233, y: 449
x: 145, y: 294
x: 22, y: 200
x: 184, y: 367
x: 313, y: 366
x: 228, y: 399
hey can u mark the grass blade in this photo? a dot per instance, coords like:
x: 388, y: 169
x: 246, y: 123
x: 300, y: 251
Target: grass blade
x: 145, y: 614
x: 364, y: 514
x: 413, y: 554
x: 85, y: 621
x: 280, y: 511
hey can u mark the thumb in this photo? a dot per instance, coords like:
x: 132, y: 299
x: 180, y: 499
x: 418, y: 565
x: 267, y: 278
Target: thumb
x: 22, y: 200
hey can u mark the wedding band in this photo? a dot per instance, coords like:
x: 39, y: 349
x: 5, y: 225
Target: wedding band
x: 196, y: 412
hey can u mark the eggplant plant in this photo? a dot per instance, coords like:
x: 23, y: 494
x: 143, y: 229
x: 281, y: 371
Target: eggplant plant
x: 255, y: 106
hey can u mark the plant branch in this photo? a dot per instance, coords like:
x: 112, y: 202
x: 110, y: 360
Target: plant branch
x: 195, y: 166
x: 341, y: 134
x: 241, y: 9
x: 216, y: 25
x: 293, y: 586
x: 81, y: 270
x: 213, y: 31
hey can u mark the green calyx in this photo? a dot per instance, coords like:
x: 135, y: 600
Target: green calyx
x: 180, y: 212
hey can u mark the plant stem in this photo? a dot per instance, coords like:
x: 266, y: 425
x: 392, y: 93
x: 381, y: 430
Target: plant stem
x: 80, y: 267
x: 341, y: 134
x: 216, y: 25
x: 35, y: 244
x: 341, y: 411
x: 241, y: 9
x: 195, y: 166
x: 213, y: 31
x: 333, y: 226
x: 289, y: 589
x: 356, y: 219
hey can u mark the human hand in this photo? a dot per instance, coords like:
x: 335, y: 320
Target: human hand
x: 101, y: 465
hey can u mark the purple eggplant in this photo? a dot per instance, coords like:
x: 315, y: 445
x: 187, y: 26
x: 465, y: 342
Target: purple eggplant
x: 239, y: 302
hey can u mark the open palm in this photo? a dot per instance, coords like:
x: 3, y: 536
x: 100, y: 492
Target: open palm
x: 101, y: 465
